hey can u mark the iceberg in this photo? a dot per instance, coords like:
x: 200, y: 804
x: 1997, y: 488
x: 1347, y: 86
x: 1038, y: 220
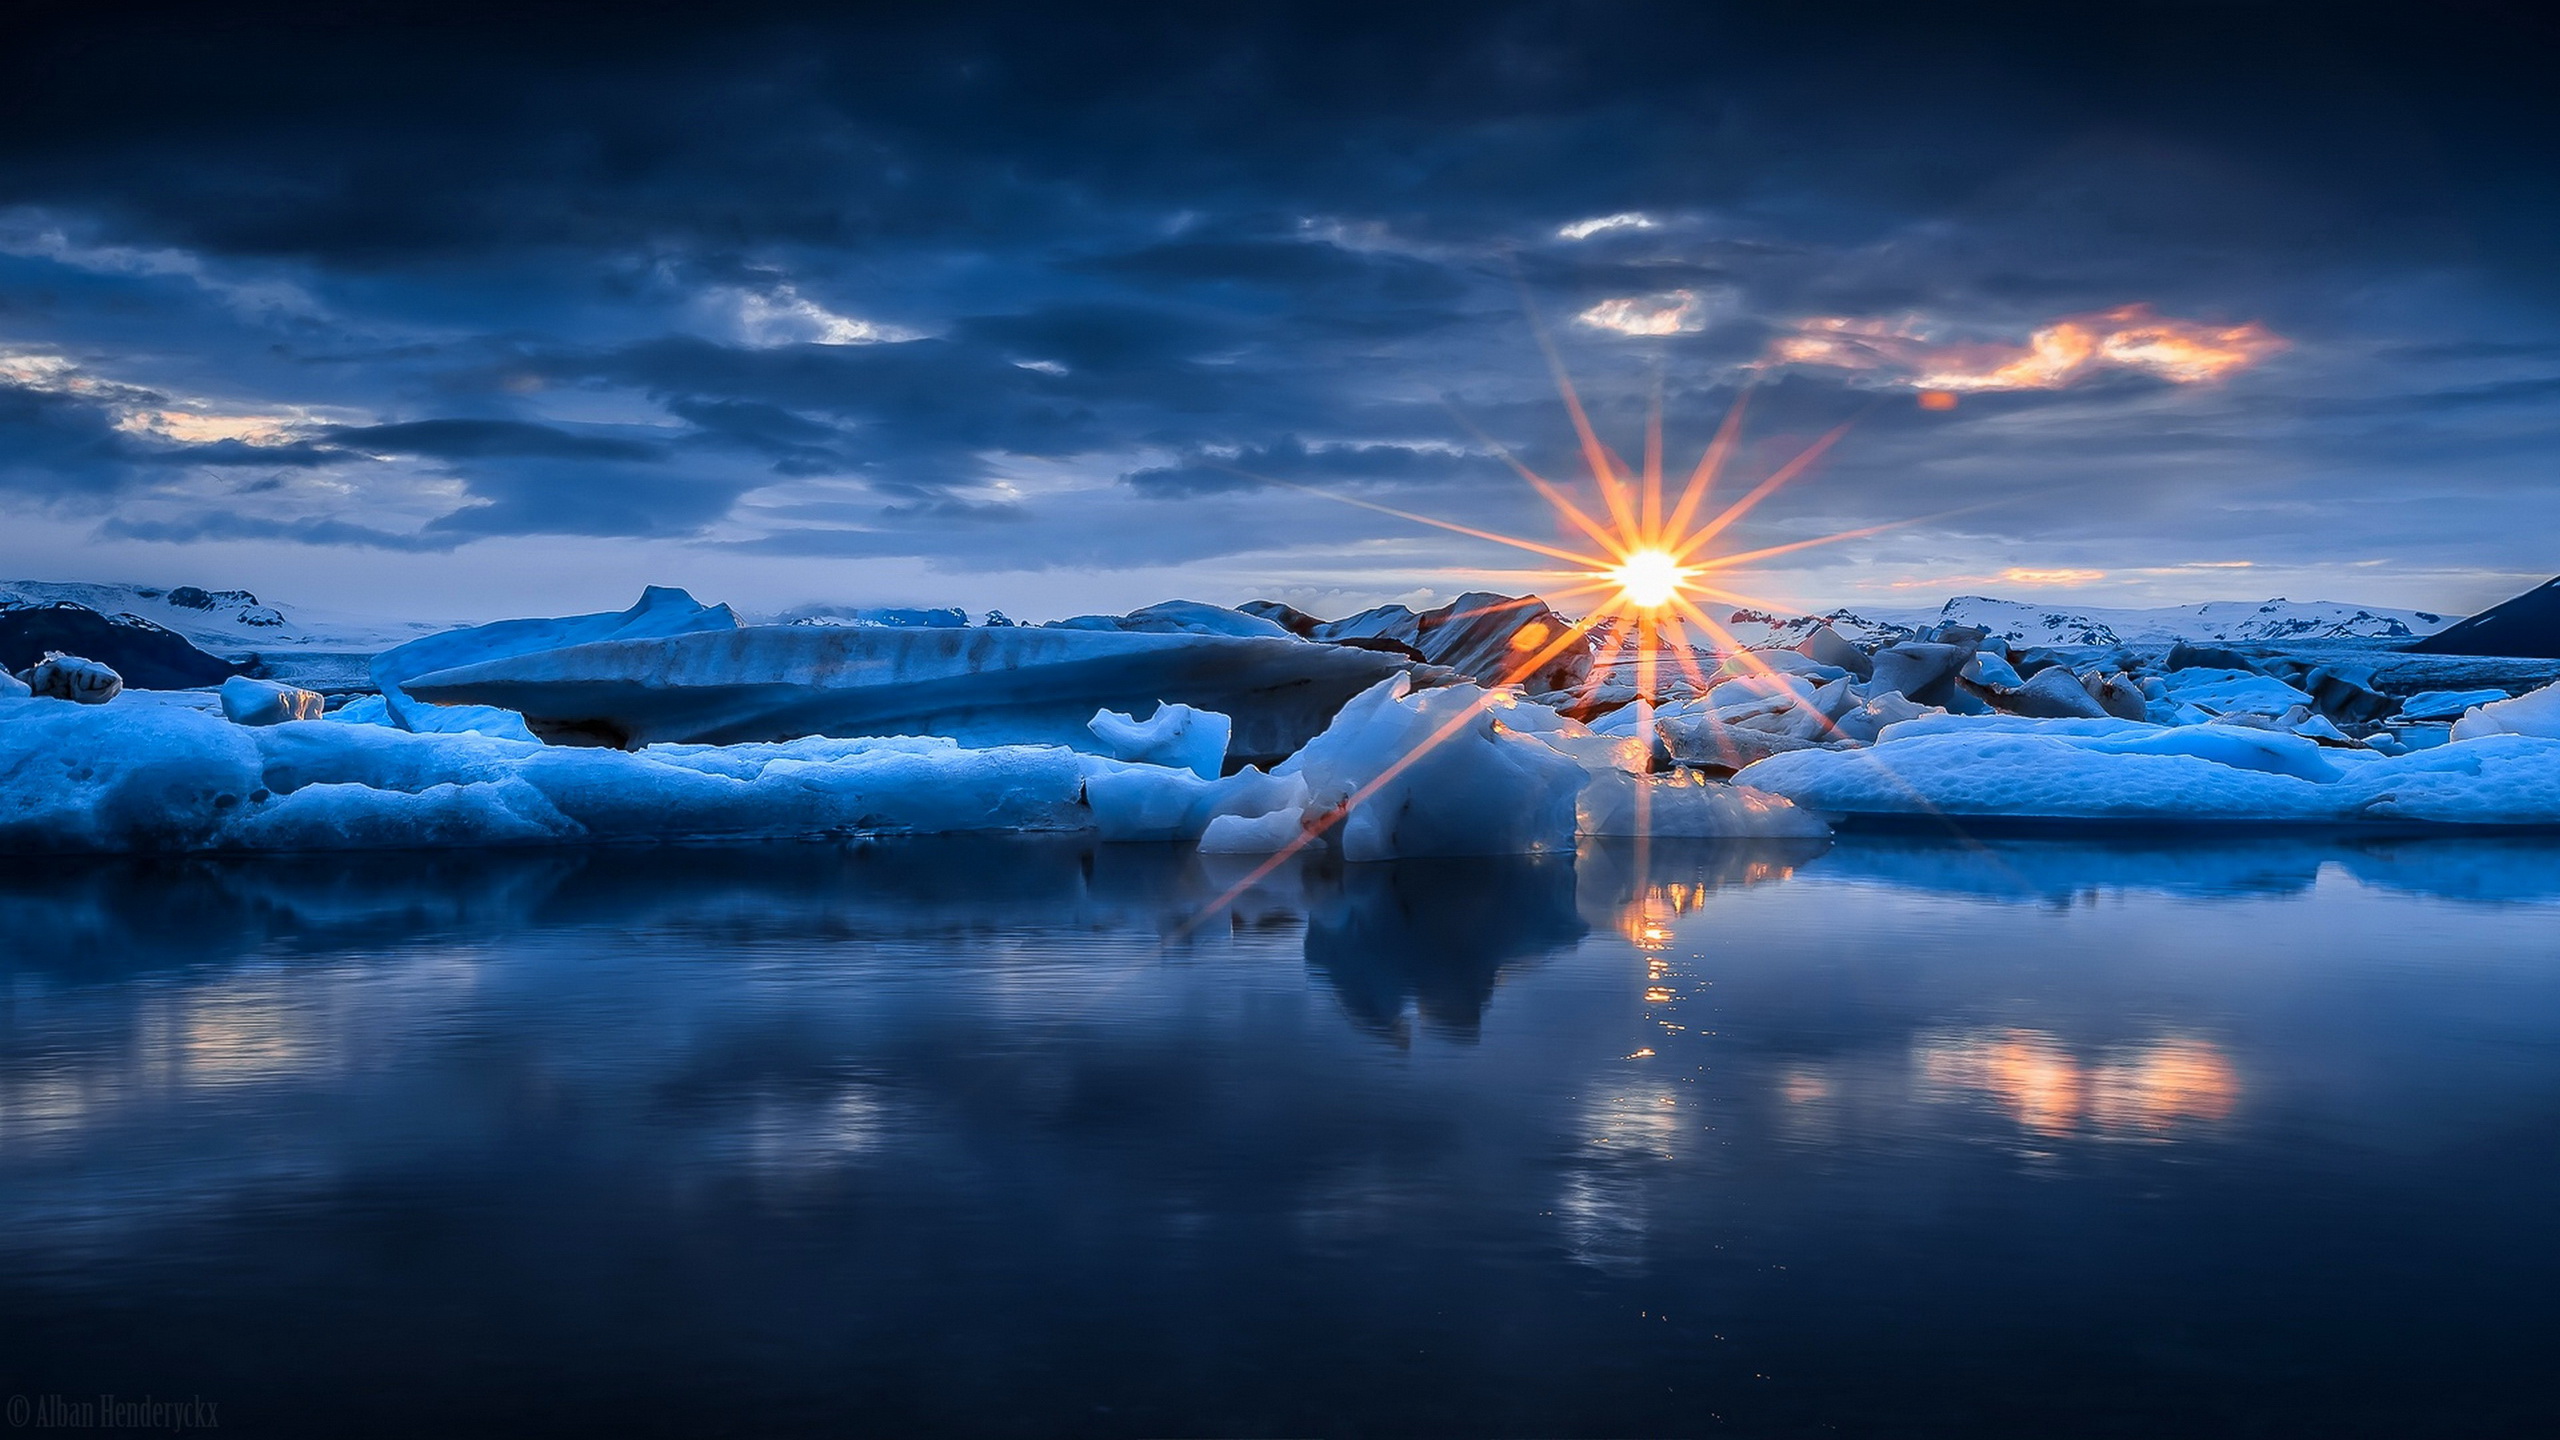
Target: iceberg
x: 2119, y: 771
x: 1437, y: 772
x: 1176, y: 735
x: 266, y: 702
x: 78, y: 779
x: 1453, y: 771
x: 2223, y: 691
x: 660, y: 611
x: 1004, y: 686
x: 1480, y: 635
x: 2446, y: 704
x: 70, y: 677
x: 2536, y: 712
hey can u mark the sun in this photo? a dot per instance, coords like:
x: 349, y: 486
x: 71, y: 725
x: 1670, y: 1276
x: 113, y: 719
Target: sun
x: 1649, y: 578
x: 1648, y: 567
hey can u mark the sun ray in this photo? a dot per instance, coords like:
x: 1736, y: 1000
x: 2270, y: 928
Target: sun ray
x: 1484, y: 700
x: 1547, y: 489
x: 1595, y: 454
x: 1706, y: 533
x: 1703, y: 479
x: 1451, y: 525
x: 1652, y: 531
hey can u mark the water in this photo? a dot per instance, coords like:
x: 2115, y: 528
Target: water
x: 1898, y: 1137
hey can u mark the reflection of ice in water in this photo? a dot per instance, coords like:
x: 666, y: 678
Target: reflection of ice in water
x: 2159, y: 1088
x: 1605, y: 1205
x: 784, y: 1136
x: 237, y: 1032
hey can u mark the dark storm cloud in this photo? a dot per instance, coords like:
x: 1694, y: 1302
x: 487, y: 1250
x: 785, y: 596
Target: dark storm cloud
x: 1153, y: 245
x: 1291, y: 461
x: 69, y: 447
x: 489, y: 440
x: 224, y: 525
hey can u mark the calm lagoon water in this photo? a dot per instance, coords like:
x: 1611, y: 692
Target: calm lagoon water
x: 1897, y: 1136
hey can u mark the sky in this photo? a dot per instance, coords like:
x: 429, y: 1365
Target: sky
x: 458, y: 312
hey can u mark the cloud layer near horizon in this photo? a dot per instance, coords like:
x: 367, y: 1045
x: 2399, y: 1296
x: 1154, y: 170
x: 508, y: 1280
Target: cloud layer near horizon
x: 1030, y: 298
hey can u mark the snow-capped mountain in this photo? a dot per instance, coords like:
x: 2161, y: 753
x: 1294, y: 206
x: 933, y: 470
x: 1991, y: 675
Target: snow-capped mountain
x: 2226, y: 622
x: 2220, y: 621
x: 230, y: 623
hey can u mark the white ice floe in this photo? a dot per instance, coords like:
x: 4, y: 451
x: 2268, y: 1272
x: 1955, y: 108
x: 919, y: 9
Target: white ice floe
x: 1176, y: 735
x: 2446, y: 704
x: 2223, y: 691
x: 425, y: 719
x: 2123, y: 771
x: 2536, y: 712
x: 1437, y: 772
x: 1253, y: 834
x: 142, y: 778
x: 1127, y: 801
x: 265, y: 702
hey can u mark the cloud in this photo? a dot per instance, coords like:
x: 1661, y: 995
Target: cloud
x: 62, y: 441
x: 1292, y: 460
x: 782, y: 315
x: 489, y: 440
x: 27, y: 232
x: 1678, y: 312
x: 2015, y: 576
x: 223, y: 525
x: 703, y: 279
x: 2128, y: 337
x: 1624, y: 220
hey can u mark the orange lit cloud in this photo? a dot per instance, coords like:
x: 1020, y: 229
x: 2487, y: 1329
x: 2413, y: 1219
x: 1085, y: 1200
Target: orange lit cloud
x: 2014, y: 575
x: 2129, y: 337
x: 1675, y: 313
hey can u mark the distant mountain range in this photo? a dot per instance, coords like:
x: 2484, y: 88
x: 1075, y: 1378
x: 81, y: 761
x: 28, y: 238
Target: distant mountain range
x: 230, y: 623
x: 2023, y: 623
x: 236, y: 623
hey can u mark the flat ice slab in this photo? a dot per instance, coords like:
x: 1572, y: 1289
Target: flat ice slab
x: 1001, y: 686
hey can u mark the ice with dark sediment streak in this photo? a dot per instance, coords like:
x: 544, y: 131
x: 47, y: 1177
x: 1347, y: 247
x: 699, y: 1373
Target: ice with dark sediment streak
x: 1004, y: 686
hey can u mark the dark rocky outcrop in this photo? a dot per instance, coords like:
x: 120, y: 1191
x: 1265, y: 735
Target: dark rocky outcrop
x: 2527, y: 626
x: 147, y: 656
x: 1288, y: 617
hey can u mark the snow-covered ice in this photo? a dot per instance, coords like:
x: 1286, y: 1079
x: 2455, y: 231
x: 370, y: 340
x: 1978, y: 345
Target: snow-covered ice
x: 2123, y: 771
x: 2536, y: 712
x: 1437, y: 772
x: 1180, y: 736
x: 146, y: 778
x: 265, y: 702
x: 1447, y: 771
x: 2446, y: 704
